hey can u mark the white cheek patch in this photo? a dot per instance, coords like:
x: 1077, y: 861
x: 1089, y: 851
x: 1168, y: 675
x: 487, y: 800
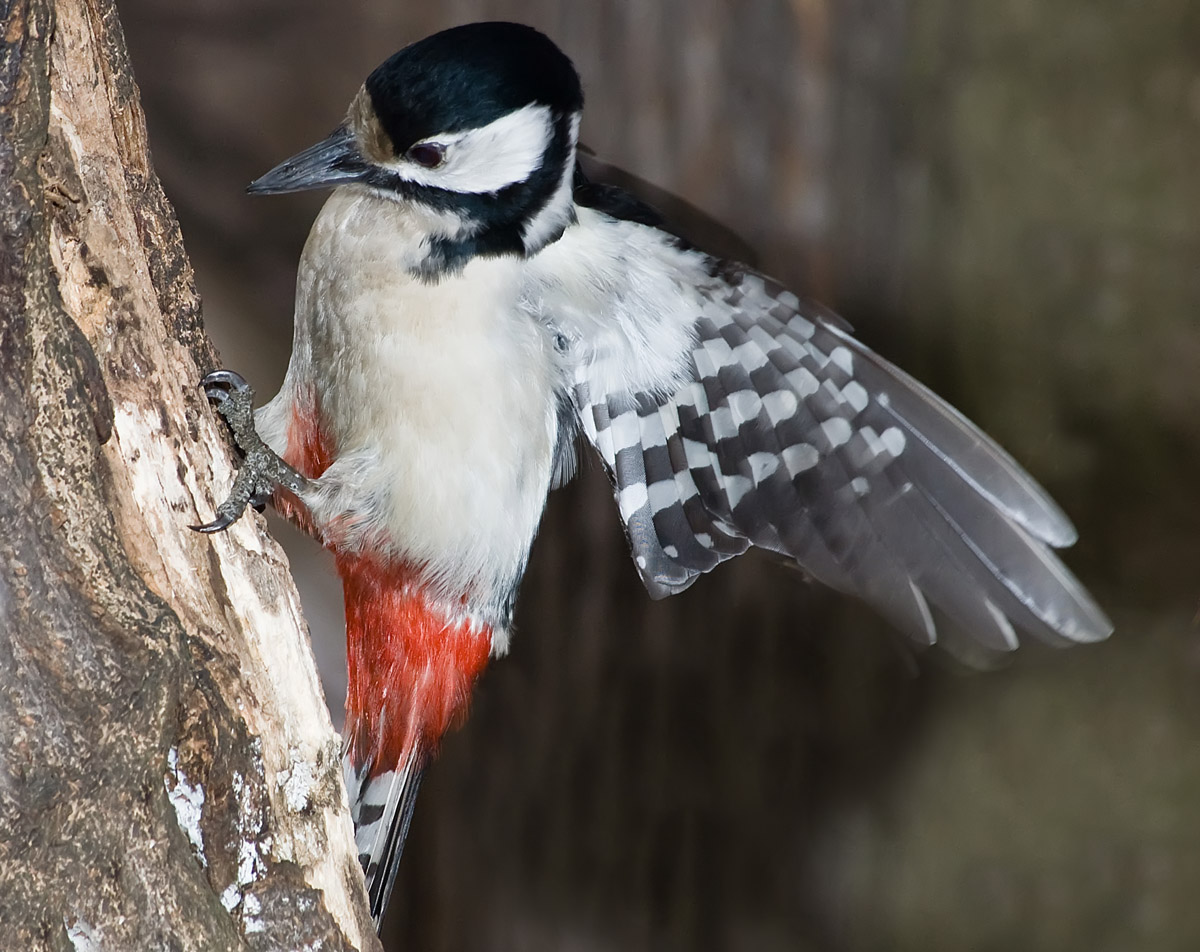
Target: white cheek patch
x: 486, y: 159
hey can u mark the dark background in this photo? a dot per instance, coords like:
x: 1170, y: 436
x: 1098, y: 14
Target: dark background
x: 1002, y: 195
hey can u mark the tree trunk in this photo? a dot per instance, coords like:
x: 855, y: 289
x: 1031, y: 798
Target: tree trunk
x: 169, y: 775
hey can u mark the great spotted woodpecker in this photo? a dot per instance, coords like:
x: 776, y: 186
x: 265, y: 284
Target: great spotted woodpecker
x: 468, y: 305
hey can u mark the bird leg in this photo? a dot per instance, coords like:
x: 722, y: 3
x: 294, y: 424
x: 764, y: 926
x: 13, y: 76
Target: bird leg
x: 261, y: 470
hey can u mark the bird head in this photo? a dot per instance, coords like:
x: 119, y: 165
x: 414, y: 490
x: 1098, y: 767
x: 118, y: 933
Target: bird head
x: 478, y: 122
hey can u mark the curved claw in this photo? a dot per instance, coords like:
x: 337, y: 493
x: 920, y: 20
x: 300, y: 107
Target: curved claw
x: 225, y: 378
x: 220, y: 524
x: 261, y: 469
x: 220, y: 385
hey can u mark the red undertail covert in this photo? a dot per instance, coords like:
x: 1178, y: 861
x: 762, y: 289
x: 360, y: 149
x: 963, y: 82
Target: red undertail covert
x: 411, y: 667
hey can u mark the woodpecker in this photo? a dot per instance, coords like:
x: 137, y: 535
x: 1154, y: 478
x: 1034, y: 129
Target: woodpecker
x: 469, y: 306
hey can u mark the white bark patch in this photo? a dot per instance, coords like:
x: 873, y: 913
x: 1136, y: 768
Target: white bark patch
x: 251, y: 907
x: 188, y: 801
x: 297, y: 783
x: 248, y: 862
x: 84, y: 937
x: 231, y: 897
x: 253, y: 851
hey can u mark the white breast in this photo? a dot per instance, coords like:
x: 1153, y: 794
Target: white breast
x: 439, y: 399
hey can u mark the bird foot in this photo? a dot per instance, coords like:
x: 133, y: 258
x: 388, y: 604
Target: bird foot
x: 261, y: 470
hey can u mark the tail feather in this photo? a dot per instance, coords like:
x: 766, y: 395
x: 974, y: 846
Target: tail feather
x: 382, y: 809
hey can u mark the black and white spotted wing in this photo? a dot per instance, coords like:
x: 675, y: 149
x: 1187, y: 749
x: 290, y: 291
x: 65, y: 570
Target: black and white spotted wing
x: 793, y: 436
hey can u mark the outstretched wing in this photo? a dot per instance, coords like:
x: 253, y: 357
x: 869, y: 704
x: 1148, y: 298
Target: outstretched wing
x: 779, y: 429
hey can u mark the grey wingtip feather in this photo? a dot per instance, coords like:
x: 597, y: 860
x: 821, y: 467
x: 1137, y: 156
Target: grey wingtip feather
x: 1068, y: 536
x: 927, y: 633
x: 1081, y: 619
x: 1057, y: 531
x: 659, y: 587
x: 1036, y: 511
x: 1086, y: 623
x: 1095, y: 627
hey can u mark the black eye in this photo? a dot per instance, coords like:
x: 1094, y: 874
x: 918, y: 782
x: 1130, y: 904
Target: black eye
x: 427, y: 154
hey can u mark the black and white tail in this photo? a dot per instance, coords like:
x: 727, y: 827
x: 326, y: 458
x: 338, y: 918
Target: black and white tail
x: 382, y: 807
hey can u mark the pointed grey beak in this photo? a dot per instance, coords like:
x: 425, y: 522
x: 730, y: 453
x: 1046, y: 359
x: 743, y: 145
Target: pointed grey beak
x: 332, y: 161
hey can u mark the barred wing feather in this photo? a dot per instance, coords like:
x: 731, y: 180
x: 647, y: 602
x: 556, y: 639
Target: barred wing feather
x: 791, y: 435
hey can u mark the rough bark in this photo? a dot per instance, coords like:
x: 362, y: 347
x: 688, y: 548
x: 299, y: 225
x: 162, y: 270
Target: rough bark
x: 168, y: 774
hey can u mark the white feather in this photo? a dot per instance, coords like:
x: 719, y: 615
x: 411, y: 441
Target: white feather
x: 486, y: 159
x: 625, y: 297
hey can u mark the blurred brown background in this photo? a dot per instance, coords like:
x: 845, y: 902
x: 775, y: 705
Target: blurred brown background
x: 1002, y: 195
